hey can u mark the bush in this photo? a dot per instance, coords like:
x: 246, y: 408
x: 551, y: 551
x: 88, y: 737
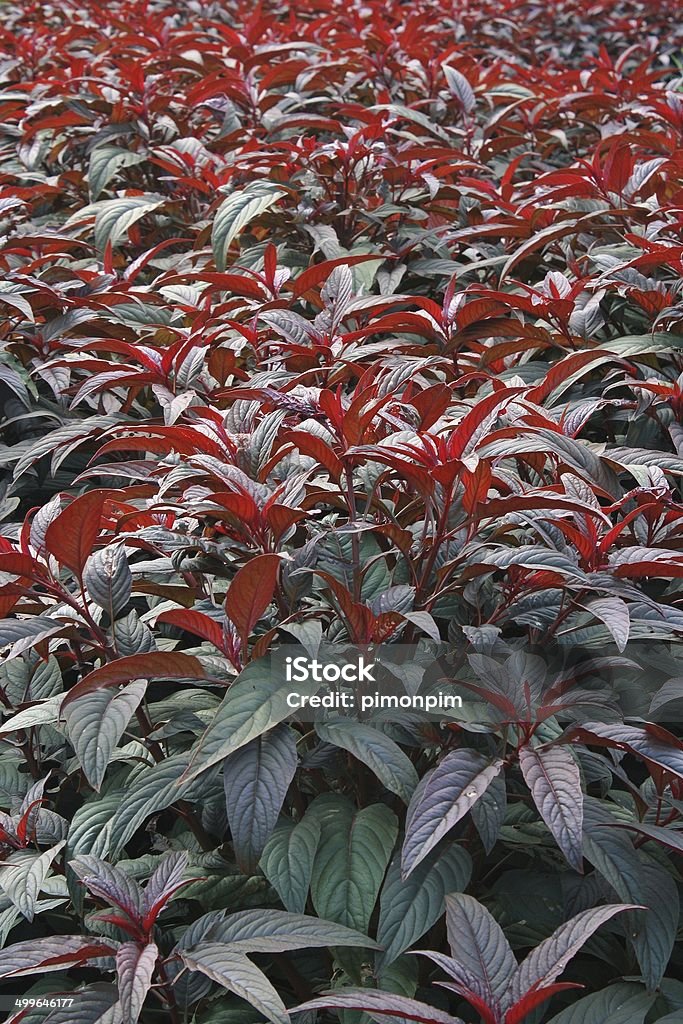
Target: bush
x: 342, y: 329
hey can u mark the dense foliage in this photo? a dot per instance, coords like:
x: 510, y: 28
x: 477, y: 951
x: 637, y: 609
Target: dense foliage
x: 358, y: 322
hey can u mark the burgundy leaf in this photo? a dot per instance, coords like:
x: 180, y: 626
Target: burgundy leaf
x: 51, y: 953
x: 71, y: 536
x: 153, y: 665
x: 251, y: 591
x: 521, y: 1010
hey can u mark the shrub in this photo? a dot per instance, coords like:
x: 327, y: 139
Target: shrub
x: 341, y: 327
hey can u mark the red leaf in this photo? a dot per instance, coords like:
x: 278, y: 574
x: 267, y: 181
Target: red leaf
x: 431, y: 404
x: 466, y: 433
x: 222, y: 363
x: 38, y: 955
x: 25, y: 568
x: 242, y: 507
x: 532, y: 999
x: 639, y: 561
x: 197, y: 623
x: 28, y: 817
x: 236, y: 284
x: 121, y: 922
x: 358, y: 618
x: 281, y: 517
x: 476, y: 483
x: 315, y: 448
x: 563, y: 369
x: 321, y: 271
x: 251, y: 592
x: 488, y: 1016
x: 72, y: 535
x: 153, y: 665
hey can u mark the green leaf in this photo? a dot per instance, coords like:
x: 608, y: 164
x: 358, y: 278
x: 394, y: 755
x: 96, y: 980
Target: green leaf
x: 153, y: 789
x: 92, y: 1004
x: 670, y: 837
x: 110, y: 883
x: 22, y: 876
x: 135, y: 965
x: 235, y: 972
x: 96, y: 1004
x: 105, y: 162
x: 442, y: 798
x: 95, y: 724
x: 90, y: 827
x: 381, y: 1006
x: 132, y: 636
x: 614, y: 614
x: 109, y: 579
x: 238, y: 210
x: 291, y: 326
x: 553, y: 776
x: 114, y: 217
x: 59, y: 443
x: 354, y: 851
x: 643, y: 344
x: 407, y: 909
x: 23, y: 634
x: 230, y: 1010
x: 256, y: 778
x: 253, y: 705
x: 415, y: 116
x: 44, y: 713
x: 478, y: 944
x: 488, y: 814
x: 16, y: 301
x: 287, y: 860
x: 623, y: 1003
x: 90, y: 832
x: 460, y: 88
x: 380, y: 753
x: 547, y: 961
x: 638, y: 878
x: 276, y: 931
